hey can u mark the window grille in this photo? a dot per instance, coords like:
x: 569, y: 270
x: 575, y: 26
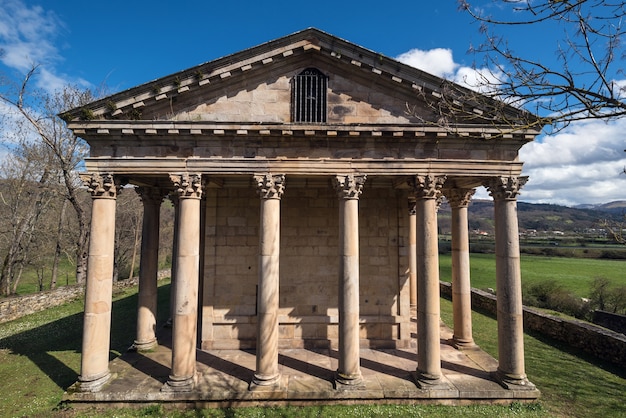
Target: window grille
x: 309, y: 96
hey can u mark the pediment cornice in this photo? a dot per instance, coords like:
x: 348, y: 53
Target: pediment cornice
x: 310, y: 44
x: 107, y: 130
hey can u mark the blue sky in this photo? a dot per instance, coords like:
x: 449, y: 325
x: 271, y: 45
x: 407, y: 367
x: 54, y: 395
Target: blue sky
x: 123, y: 44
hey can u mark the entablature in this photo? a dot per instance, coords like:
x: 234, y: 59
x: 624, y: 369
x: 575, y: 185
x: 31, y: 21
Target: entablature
x: 120, y: 130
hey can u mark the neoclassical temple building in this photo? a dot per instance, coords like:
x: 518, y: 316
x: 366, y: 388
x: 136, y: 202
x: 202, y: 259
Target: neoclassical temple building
x: 306, y: 175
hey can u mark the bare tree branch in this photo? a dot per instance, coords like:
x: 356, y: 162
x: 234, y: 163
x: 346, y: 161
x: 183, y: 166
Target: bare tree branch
x: 582, y: 84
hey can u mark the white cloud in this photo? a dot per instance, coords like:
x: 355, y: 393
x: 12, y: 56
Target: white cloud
x: 440, y: 62
x: 27, y: 38
x: 582, y: 164
x: 436, y: 61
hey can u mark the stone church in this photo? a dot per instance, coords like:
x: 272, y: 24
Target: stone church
x: 306, y: 175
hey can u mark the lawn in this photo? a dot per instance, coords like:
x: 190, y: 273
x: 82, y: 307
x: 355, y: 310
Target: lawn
x: 39, y: 358
x: 574, y: 274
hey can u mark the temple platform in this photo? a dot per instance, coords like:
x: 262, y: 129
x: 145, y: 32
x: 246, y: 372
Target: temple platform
x: 307, y: 378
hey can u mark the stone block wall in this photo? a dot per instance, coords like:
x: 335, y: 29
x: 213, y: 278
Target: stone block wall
x: 610, y: 320
x: 18, y: 306
x: 268, y: 100
x: 592, y: 339
x: 309, y: 265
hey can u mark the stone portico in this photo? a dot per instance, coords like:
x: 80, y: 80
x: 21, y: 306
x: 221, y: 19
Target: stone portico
x: 306, y: 201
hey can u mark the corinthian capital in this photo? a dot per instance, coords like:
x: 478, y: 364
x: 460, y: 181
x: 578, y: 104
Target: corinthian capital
x: 459, y: 198
x: 270, y: 186
x: 102, y: 186
x: 505, y: 188
x: 349, y: 186
x: 150, y: 195
x: 427, y: 187
x: 187, y: 185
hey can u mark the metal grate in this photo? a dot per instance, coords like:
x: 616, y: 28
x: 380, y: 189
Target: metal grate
x: 309, y: 96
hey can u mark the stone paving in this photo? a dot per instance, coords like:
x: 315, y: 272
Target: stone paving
x: 307, y: 377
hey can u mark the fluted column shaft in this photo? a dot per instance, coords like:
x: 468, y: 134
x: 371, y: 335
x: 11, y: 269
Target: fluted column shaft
x: 511, y: 369
x: 94, y: 368
x: 349, y: 188
x: 184, y: 322
x: 148, y: 268
x: 270, y: 188
x: 427, y: 192
x: 461, y: 288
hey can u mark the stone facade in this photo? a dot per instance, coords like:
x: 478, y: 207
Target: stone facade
x: 308, y: 314
x: 302, y: 234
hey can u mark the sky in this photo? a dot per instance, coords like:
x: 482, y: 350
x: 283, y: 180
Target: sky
x: 115, y: 45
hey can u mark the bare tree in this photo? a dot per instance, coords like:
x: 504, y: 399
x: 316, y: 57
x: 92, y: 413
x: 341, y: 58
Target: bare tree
x: 40, y: 111
x: 128, y: 221
x: 25, y: 196
x: 581, y: 84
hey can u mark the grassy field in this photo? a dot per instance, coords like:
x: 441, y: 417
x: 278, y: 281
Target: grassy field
x: 39, y: 358
x: 574, y: 274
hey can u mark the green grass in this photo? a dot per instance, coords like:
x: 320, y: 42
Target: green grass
x: 30, y: 284
x: 575, y: 275
x: 39, y: 358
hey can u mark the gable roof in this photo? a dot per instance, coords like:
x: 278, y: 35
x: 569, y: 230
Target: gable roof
x: 137, y: 104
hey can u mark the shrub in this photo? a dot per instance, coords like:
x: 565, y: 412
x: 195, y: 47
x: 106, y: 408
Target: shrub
x: 552, y: 295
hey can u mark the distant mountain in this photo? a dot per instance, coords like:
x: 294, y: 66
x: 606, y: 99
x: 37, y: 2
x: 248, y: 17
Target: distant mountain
x: 618, y: 207
x: 539, y: 216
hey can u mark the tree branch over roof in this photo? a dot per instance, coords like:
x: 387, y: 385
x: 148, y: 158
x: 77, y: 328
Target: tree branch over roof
x: 582, y: 83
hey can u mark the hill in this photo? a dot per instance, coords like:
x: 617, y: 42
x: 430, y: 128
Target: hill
x: 540, y: 217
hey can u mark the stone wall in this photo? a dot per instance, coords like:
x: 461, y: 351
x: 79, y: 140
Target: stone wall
x: 15, y: 307
x: 592, y: 339
x: 309, y: 263
x: 615, y: 322
x: 18, y: 306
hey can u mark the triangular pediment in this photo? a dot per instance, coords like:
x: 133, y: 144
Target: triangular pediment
x: 254, y: 87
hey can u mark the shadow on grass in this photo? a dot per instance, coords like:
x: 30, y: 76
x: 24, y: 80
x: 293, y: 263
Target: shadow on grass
x: 65, y: 334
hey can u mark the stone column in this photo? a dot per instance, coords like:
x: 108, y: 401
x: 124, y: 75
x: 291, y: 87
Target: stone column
x: 427, y: 192
x: 184, y: 322
x: 461, y: 288
x: 94, y: 368
x: 151, y: 198
x: 270, y: 189
x: 412, y: 254
x: 511, y: 374
x: 349, y: 188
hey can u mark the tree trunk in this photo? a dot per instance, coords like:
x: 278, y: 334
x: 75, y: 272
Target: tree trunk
x: 57, y: 251
x: 134, y: 257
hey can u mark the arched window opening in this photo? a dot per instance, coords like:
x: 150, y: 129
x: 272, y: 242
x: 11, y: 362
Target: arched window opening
x: 309, y: 96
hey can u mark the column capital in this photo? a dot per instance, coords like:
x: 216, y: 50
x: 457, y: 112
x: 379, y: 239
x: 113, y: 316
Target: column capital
x: 459, y: 197
x: 349, y: 186
x: 101, y: 186
x: 151, y: 195
x: 412, y: 203
x: 505, y: 188
x: 187, y: 185
x: 427, y: 187
x: 270, y: 186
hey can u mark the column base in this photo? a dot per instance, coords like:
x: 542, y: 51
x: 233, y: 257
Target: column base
x: 95, y: 383
x: 513, y: 382
x: 349, y: 381
x: 428, y: 381
x: 462, y: 344
x: 179, y: 384
x: 265, y: 380
x: 143, y: 345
